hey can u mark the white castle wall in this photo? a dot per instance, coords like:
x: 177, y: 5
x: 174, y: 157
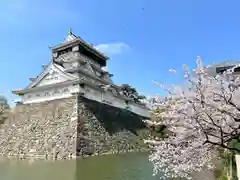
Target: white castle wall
x: 89, y: 93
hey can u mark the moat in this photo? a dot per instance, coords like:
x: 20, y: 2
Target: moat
x: 131, y: 166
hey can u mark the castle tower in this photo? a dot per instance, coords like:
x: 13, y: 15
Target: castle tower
x: 77, y: 67
x: 72, y: 108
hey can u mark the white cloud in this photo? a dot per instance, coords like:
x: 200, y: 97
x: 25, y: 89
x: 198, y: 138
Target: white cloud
x: 113, y: 48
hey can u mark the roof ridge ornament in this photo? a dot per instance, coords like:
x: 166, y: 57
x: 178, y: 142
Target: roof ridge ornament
x: 70, y: 31
x: 70, y: 36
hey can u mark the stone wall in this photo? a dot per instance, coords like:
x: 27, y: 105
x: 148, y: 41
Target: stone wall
x: 106, y: 129
x: 62, y: 129
x: 45, y: 130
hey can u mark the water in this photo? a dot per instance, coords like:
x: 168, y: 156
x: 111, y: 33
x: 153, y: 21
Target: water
x: 132, y: 166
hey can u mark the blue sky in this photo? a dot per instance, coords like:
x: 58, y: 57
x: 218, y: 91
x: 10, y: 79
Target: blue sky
x: 144, y: 38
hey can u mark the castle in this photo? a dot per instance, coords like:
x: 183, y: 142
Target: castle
x: 77, y: 67
x: 73, y: 108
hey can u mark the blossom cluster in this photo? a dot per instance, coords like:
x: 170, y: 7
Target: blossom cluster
x: 201, y: 116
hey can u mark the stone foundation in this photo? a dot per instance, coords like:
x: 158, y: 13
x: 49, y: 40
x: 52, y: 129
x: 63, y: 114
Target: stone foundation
x: 66, y: 128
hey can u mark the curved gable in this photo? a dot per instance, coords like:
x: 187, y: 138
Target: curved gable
x: 52, y: 74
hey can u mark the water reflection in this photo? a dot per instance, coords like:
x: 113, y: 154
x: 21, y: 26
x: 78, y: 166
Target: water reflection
x: 132, y: 166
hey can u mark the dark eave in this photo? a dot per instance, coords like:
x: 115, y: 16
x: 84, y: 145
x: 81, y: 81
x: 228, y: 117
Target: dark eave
x: 81, y: 42
x: 18, y: 92
x: 33, y: 79
x: 222, y: 69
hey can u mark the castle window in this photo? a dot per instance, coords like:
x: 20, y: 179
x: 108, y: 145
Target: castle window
x: 237, y: 69
x: 65, y: 90
x: 56, y: 91
x: 46, y: 93
x: 221, y: 70
x: 38, y: 95
x: 101, y: 75
x: 65, y: 51
x: 82, y: 85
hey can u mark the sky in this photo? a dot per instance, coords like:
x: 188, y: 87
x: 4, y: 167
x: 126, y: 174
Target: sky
x: 143, y: 38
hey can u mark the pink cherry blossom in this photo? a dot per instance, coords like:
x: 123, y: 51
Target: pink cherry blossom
x: 201, y: 117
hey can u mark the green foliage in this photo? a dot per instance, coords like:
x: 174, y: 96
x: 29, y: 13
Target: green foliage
x: 224, y: 177
x: 220, y: 174
x: 226, y: 158
x: 3, y: 107
x: 235, y: 143
x: 159, y: 131
x: 158, y: 110
x: 3, y: 103
x: 131, y: 92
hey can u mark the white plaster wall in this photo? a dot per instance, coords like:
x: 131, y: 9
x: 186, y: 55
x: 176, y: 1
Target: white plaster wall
x: 119, y: 103
x: 92, y: 62
x: 90, y: 93
x: 93, y: 94
x: 75, y: 48
x: 238, y: 165
x: 108, y: 98
x: 139, y: 109
x: 67, y: 65
x: 41, y: 96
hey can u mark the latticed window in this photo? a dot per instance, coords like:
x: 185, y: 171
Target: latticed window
x: 65, y: 90
x: 46, y: 93
x: 56, y: 91
x: 65, y: 51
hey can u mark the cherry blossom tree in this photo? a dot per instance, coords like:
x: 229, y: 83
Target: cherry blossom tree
x: 202, y: 116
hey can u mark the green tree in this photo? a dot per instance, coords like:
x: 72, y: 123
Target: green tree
x: 3, y: 107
